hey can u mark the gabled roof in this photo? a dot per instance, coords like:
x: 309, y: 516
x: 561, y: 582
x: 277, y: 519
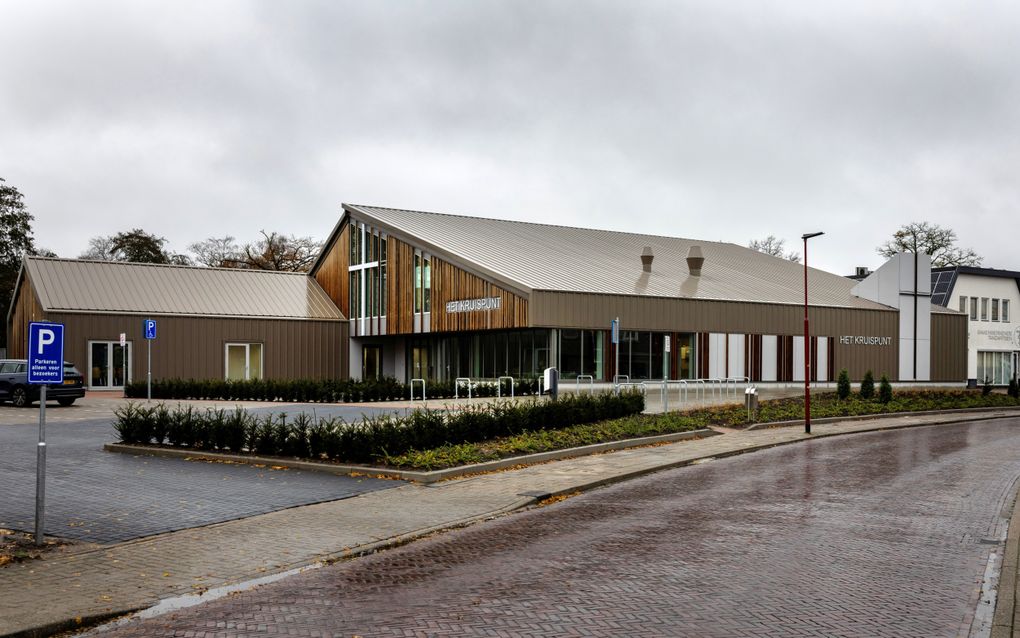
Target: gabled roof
x: 943, y: 280
x: 74, y: 285
x: 528, y: 257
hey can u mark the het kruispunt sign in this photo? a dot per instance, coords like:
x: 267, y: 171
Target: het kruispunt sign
x: 469, y: 305
x: 863, y: 340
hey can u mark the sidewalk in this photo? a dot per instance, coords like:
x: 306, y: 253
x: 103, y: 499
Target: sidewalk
x: 45, y: 596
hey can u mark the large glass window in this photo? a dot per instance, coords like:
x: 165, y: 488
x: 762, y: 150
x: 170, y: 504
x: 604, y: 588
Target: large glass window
x: 417, y: 283
x: 243, y: 361
x: 426, y: 285
x: 367, y: 289
x: 995, y: 368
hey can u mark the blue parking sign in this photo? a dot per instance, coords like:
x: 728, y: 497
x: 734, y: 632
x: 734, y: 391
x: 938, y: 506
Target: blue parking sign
x: 45, y: 353
x: 150, y: 328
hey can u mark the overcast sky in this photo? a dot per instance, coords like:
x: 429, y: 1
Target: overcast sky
x: 720, y: 120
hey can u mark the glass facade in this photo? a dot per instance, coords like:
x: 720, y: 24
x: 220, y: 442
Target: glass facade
x: 641, y: 355
x: 367, y: 276
x: 581, y: 352
x: 486, y: 355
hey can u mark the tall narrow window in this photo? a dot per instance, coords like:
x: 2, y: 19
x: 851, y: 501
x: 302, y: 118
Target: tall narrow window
x: 984, y: 308
x: 1005, y: 310
x: 973, y: 308
x: 995, y: 309
x: 963, y: 304
x: 417, y: 283
x: 427, y: 285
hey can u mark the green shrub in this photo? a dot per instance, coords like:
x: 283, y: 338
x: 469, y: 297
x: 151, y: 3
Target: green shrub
x: 843, y: 384
x: 1013, y: 389
x: 868, y: 386
x: 884, y: 390
x: 986, y: 389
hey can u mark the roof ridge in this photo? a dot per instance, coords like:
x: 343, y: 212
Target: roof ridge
x: 527, y: 223
x: 150, y: 264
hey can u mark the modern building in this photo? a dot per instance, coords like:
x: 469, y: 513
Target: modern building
x: 426, y: 295
x: 989, y: 298
x: 444, y: 296
x: 210, y: 322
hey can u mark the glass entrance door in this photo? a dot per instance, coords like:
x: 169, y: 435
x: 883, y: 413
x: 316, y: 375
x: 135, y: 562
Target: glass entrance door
x: 371, y: 362
x: 420, y: 362
x: 109, y: 365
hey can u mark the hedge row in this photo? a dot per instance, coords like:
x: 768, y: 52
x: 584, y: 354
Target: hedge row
x: 317, y: 391
x: 370, y: 441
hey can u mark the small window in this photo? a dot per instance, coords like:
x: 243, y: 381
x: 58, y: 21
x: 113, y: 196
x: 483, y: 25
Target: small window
x: 984, y: 308
x: 1005, y: 310
x: 8, y: 368
x: 973, y: 308
x: 21, y: 368
x: 243, y: 361
x: 963, y: 304
x: 995, y: 309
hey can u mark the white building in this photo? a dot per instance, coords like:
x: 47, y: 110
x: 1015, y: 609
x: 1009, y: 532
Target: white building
x: 991, y: 299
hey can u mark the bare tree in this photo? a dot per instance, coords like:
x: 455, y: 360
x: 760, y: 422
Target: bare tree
x: 925, y: 237
x: 99, y: 249
x: 773, y: 246
x: 280, y: 252
x: 217, y: 252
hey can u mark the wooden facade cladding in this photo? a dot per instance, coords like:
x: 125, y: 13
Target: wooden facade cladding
x: 399, y: 287
x: 26, y: 308
x: 948, y: 347
x: 332, y: 274
x: 450, y: 283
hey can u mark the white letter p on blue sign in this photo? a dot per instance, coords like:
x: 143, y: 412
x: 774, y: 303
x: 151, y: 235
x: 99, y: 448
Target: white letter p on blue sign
x: 46, y: 338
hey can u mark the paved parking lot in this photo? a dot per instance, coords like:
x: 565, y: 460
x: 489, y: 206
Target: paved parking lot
x: 98, y: 496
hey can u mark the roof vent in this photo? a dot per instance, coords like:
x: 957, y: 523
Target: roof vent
x: 646, y: 259
x: 695, y: 260
x: 862, y: 271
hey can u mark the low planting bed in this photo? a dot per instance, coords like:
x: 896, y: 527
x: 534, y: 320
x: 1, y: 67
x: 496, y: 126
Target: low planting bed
x: 430, y: 440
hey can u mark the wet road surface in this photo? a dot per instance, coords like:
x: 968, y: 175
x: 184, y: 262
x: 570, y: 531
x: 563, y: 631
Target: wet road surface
x: 882, y: 534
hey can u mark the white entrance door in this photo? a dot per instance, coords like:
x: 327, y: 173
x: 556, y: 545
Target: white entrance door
x: 109, y: 365
x: 244, y: 361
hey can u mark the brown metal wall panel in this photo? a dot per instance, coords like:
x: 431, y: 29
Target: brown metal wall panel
x: 948, y: 347
x: 582, y: 310
x: 194, y: 348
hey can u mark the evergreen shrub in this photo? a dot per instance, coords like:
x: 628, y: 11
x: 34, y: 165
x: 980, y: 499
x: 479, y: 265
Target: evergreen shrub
x: 868, y: 385
x: 885, y: 390
x: 843, y: 384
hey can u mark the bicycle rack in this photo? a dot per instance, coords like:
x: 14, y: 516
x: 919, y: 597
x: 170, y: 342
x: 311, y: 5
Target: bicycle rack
x: 422, y: 381
x: 456, y: 387
x: 591, y: 383
x: 499, y: 387
x: 716, y: 385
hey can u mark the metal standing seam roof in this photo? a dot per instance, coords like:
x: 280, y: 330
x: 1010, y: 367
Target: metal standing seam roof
x: 74, y: 285
x: 532, y: 256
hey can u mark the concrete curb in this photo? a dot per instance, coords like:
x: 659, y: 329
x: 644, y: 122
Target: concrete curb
x: 408, y: 475
x: 882, y: 415
x: 1004, y: 620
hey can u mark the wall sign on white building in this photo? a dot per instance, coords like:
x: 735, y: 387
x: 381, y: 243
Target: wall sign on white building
x: 861, y: 340
x: 469, y: 305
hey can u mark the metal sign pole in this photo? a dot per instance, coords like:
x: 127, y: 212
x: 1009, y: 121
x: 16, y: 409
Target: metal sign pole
x: 148, y: 374
x: 616, y: 350
x: 40, y: 470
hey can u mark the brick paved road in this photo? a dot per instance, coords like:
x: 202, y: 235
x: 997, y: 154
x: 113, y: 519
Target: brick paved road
x: 865, y: 535
x: 99, y: 496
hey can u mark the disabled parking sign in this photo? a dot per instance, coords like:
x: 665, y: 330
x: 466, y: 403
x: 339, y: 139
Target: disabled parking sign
x: 45, y: 353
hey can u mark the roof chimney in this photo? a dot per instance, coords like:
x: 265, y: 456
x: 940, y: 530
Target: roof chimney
x: 695, y: 260
x: 646, y: 259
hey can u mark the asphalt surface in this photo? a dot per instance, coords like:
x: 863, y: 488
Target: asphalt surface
x: 103, y: 497
x: 882, y: 534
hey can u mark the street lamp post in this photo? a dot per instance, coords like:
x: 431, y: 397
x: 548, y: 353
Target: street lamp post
x: 807, y: 344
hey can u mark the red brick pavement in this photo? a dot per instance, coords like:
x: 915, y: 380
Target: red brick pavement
x: 867, y: 535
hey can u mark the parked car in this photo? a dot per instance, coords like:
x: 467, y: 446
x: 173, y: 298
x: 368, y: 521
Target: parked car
x: 14, y: 386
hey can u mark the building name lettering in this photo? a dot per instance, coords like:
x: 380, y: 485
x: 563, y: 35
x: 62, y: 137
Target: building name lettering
x: 1011, y: 337
x: 469, y: 305
x: 861, y: 340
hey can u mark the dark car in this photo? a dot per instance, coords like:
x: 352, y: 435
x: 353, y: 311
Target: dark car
x: 14, y: 386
